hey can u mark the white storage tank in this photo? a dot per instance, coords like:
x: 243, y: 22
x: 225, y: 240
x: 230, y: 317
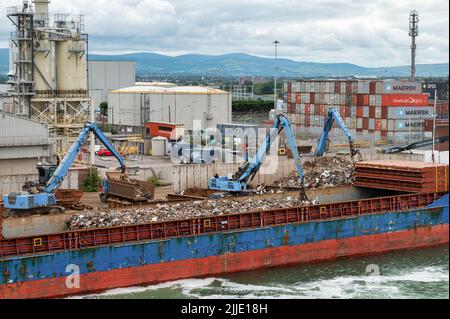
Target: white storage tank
x: 203, y: 107
x: 159, y: 146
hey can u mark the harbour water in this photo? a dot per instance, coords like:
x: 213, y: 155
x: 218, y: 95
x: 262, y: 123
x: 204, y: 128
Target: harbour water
x: 422, y: 273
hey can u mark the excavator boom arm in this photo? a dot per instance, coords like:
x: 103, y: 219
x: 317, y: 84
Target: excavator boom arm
x: 280, y: 123
x: 66, y: 163
x: 333, y: 116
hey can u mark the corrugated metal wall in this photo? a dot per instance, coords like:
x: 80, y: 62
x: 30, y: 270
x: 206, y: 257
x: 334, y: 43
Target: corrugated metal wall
x: 22, y: 142
x: 109, y: 75
x: 16, y: 131
x: 132, y: 108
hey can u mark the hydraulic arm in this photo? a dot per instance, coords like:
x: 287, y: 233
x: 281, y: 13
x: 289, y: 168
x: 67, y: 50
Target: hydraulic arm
x: 240, y: 180
x: 65, y: 164
x: 44, y: 196
x: 332, y: 116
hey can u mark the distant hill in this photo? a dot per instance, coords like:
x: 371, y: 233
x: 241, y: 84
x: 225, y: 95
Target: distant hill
x: 239, y: 64
x: 4, y: 61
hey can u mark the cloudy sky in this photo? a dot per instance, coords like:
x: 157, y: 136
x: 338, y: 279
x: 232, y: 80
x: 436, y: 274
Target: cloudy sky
x: 364, y: 32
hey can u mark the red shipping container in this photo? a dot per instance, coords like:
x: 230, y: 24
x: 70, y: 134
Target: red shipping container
x: 428, y: 126
x: 360, y: 99
x: 372, y: 87
x: 384, y: 112
x: 383, y: 133
x: 312, y: 98
x: 322, y: 109
x: 289, y: 87
x: 348, y: 87
x: 307, y: 110
x: 372, y: 111
x: 359, y: 130
x: 307, y: 121
x: 366, y: 99
x: 317, y: 109
x: 378, y: 124
x: 404, y: 100
x: 359, y: 111
x: 289, y: 96
x: 365, y: 123
x: 298, y: 99
x: 342, y: 112
x: 337, y: 87
x: 291, y: 108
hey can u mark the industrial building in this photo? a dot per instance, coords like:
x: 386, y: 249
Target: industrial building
x: 105, y: 76
x: 23, y: 142
x: 136, y: 105
x: 48, y: 70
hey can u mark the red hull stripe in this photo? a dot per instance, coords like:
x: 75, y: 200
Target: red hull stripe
x: 233, y: 262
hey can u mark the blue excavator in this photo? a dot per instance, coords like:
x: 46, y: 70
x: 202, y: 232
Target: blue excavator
x: 240, y: 180
x: 40, y: 196
x: 238, y: 183
x: 322, y: 146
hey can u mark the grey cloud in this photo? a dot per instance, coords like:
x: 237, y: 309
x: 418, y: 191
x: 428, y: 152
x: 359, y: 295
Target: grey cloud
x: 369, y: 33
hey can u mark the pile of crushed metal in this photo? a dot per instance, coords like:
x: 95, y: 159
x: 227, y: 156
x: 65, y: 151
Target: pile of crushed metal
x: 322, y: 172
x: 165, y: 212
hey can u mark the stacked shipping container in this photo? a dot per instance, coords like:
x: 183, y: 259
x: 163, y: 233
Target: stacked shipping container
x: 381, y: 110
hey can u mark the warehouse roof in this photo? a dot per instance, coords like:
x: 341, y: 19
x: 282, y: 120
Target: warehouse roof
x: 169, y: 90
x: 160, y: 84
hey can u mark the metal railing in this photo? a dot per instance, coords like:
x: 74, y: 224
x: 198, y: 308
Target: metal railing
x: 88, y: 238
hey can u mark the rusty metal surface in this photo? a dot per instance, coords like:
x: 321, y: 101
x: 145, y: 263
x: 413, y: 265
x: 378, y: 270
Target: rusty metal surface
x: 1, y: 219
x: 212, y: 224
x: 402, y: 176
x: 130, y: 189
x: 198, y: 192
x: 68, y: 196
x: 400, y: 165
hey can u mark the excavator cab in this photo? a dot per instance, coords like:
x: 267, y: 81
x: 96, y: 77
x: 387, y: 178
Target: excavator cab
x: 45, y: 172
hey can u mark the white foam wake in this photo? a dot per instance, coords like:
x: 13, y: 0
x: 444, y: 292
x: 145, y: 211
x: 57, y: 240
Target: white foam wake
x: 363, y: 286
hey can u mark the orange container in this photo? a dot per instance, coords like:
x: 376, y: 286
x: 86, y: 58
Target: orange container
x: 359, y: 111
x: 404, y: 100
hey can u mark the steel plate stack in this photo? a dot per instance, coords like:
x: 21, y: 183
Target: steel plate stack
x: 408, y: 176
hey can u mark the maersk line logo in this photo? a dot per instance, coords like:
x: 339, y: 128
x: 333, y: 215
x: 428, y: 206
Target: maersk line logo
x: 404, y: 87
x: 417, y: 112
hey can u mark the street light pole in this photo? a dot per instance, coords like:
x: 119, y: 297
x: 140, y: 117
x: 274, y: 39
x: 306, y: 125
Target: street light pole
x: 434, y: 123
x: 276, y: 42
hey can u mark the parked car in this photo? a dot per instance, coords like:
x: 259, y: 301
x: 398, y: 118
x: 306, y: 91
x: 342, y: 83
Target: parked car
x: 104, y: 152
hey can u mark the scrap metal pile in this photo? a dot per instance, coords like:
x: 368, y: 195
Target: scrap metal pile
x: 322, y: 172
x: 184, y: 210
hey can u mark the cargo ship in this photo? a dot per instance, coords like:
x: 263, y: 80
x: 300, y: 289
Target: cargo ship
x: 95, y: 260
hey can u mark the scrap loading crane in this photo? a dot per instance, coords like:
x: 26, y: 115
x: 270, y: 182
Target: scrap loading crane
x: 332, y: 116
x: 40, y: 195
x: 238, y: 183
